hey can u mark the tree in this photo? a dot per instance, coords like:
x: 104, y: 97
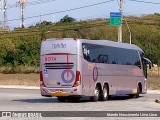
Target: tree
x: 67, y: 19
x: 40, y: 24
x: 44, y: 23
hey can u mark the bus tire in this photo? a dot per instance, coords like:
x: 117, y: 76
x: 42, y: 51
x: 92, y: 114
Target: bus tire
x: 138, y: 91
x: 62, y: 99
x: 96, y: 96
x: 105, y: 93
x: 135, y: 95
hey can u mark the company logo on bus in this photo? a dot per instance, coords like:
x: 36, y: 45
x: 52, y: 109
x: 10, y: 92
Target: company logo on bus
x: 68, y: 76
x: 95, y: 73
x: 48, y: 59
x: 61, y: 45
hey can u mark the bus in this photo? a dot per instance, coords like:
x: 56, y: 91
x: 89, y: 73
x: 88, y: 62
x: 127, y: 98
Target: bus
x: 98, y: 69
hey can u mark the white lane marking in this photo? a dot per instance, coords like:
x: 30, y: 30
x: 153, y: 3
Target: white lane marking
x: 19, y: 87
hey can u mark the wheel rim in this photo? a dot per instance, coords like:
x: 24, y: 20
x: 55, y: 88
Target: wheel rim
x: 105, y: 93
x: 96, y: 93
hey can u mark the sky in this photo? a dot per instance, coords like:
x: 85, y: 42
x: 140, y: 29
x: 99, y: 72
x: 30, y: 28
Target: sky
x: 97, y: 11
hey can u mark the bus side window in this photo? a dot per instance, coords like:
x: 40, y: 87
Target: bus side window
x: 88, y: 58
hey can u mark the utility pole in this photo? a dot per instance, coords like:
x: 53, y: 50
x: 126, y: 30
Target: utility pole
x: 4, y: 8
x: 40, y: 19
x: 120, y: 27
x: 1, y: 8
x: 129, y: 30
x: 22, y: 3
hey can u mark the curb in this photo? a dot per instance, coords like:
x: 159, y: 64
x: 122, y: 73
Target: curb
x: 153, y: 91
x: 19, y: 87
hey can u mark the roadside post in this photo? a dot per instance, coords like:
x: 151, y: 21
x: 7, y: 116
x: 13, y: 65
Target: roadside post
x: 116, y: 20
x: 158, y: 67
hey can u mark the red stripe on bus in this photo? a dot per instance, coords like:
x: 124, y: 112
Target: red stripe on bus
x: 67, y: 58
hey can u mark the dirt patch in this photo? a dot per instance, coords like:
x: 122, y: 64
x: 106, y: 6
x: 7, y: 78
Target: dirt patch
x: 153, y: 83
x: 33, y: 80
x: 19, y: 79
x: 153, y: 71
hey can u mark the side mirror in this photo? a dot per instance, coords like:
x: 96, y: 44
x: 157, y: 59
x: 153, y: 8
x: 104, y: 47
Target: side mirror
x: 148, y: 62
x: 150, y: 66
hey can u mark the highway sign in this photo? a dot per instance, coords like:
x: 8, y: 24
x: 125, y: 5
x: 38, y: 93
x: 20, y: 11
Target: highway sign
x: 115, y: 21
x: 115, y: 14
x: 115, y: 18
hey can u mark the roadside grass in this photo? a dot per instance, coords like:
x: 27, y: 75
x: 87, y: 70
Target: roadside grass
x: 32, y: 79
x: 153, y: 78
x: 19, y: 69
x: 19, y: 79
x: 153, y: 71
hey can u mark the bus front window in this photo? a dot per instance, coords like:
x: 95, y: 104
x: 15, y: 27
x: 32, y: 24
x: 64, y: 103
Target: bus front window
x: 144, y: 64
x: 146, y: 61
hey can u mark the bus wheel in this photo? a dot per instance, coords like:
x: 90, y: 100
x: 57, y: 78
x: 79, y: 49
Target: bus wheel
x: 96, y: 96
x: 135, y: 95
x: 105, y: 94
x: 62, y: 99
x: 138, y: 91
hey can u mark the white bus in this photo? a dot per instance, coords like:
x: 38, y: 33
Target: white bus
x: 75, y: 68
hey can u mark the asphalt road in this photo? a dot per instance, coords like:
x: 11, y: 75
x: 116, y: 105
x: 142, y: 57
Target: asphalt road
x: 31, y: 100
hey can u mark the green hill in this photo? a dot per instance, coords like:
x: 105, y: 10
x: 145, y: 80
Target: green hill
x: 21, y: 47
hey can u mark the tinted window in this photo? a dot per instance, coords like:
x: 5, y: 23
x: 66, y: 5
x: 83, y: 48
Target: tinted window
x: 128, y: 57
x: 110, y: 55
x: 99, y: 53
x: 144, y: 64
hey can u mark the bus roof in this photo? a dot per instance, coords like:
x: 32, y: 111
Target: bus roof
x: 103, y: 42
x: 112, y: 43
